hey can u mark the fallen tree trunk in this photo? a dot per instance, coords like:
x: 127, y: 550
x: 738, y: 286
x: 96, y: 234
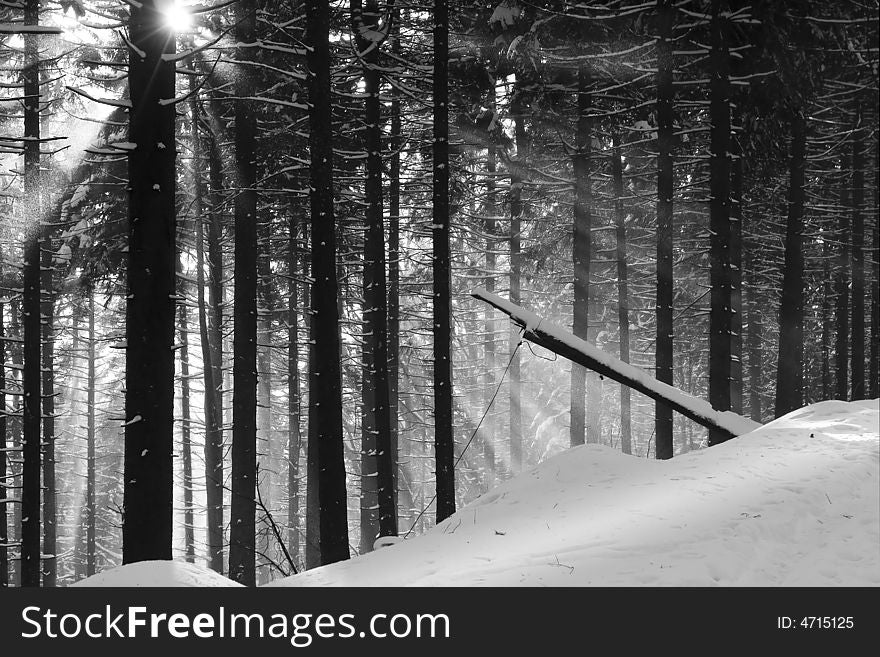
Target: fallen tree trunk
x: 559, y: 341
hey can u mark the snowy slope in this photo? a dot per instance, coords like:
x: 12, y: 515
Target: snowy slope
x: 157, y: 573
x: 794, y: 503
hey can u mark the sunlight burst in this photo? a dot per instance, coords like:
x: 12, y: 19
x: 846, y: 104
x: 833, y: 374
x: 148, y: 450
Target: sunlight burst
x: 178, y: 16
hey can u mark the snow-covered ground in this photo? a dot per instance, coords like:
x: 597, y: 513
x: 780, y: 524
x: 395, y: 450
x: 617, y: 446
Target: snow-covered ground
x: 157, y: 573
x: 794, y: 503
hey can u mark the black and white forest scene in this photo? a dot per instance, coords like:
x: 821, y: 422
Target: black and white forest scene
x: 478, y: 293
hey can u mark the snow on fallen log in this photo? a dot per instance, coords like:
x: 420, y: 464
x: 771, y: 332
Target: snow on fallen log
x: 559, y: 341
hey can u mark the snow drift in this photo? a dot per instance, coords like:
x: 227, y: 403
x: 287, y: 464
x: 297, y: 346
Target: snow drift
x: 793, y: 503
x: 157, y: 573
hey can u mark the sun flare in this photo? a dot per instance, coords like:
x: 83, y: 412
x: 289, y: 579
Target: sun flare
x: 178, y: 16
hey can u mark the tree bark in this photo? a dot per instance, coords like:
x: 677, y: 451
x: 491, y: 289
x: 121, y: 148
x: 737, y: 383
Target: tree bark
x: 622, y: 292
x: 790, y: 368
x: 327, y: 467
x: 581, y: 249
x: 720, y: 316
x: 91, y: 511
x: 665, y: 139
x: 442, y: 303
x: 518, y: 169
x: 857, y: 354
x: 186, y: 432
x: 149, y: 381
x: 841, y: 289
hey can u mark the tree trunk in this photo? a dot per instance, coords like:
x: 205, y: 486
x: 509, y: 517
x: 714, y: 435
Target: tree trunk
x: 47, y: 312
x: 581, y: 249
x: 91, y: 510
x: 736, y: 304
x: 518, y: 170
x: 720, y: 327
x: 327, y: 467
x: 622, y: 292
x: 841, y: 288
x: 858, y: 261
x: 790, y: 369
x: 242, y: 523
x: 874, y: 363
x: 442, y: 303
x: 487, y: 432
x: 149, y: 380
x: 185, y: 430
x: 827, y: 325
x: 4, y: 479
x: 294, y: 436
x: 665, y: 139
x: 211, y: 340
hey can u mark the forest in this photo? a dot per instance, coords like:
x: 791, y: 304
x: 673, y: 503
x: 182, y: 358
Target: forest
x: 259, y: 259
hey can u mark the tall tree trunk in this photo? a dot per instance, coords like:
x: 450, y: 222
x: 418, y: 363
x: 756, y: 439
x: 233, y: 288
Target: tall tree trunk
x: 487, y: 434
x: 665, y: 139
x: 442, y: 303
x: 720, y: 328
x: 874, y: 363
x: 186, y: 432
x: 326, y: 456
x: 242, y: 523
x: 827, y: 324
x: 294, y: 436
x: 4, y: 479
x: 518, y: 171
x: 149, y: 376
x: 582, y: 252
x: 210, y: 336
x: 378, y: 460
x: 47, y: 312
x: 790, y: 370
x: 858, y: 261
x: 394, y: 265
x: 841, y: 288
x: 91, y: 510
x: 622, y: 292
x: 266, y: 450
x: 30, y: 493
x: 736, y: 304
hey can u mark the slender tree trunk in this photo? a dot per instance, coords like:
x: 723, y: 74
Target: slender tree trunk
x: 242, y: 523
x: 874, y: 363
x: 516, y: 213
x: 841, y: 289
x: 4, y: 479
x: 185, y: 430
x: 326, y: 456
x: 720, y: 316
x: 149, y: 380
x: 790, y: 370
x: 91, y: 511
x: 858, y: 261
x: 442, y: 308
x: 487, y: 433
x: 47, y: 312
x: 827, y: 325
x: 294, y: 436
x: 665, y: 140
x: 582, y: 249
x: 211, y: 339
x: 736, y: 303
x: 622, y: 292
x: 377, y: 421
x: 394, y: 266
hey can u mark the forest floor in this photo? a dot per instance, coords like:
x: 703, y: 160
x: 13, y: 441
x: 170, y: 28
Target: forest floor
x: 794, y: 503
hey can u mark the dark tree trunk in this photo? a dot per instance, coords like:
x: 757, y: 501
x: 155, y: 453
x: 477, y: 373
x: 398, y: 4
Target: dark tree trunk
x: 294, y: 436
x: 518, y: 169
x: 327, y: 462
x: 841, y: 289
x: 31, y: 379
x: 378, y: 461
x: 442, y: 303
x: 874, y: 364
x: 581, y: 249
x: 47, y: 312
x: 211, y: 340
x: 185, y: 430
x: 665, y: 140
x: 858, y: 261
x: 242, y: 510
x: 736, y: 304
x: 720, y: 326
x: 4, y: 479
x: 622, y: 292
x: 490, y: 209
x: 91, y: 511
x: 790, y: 369
x: 394, y: 266
x: 827, y: 324
x: 149, y: 379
